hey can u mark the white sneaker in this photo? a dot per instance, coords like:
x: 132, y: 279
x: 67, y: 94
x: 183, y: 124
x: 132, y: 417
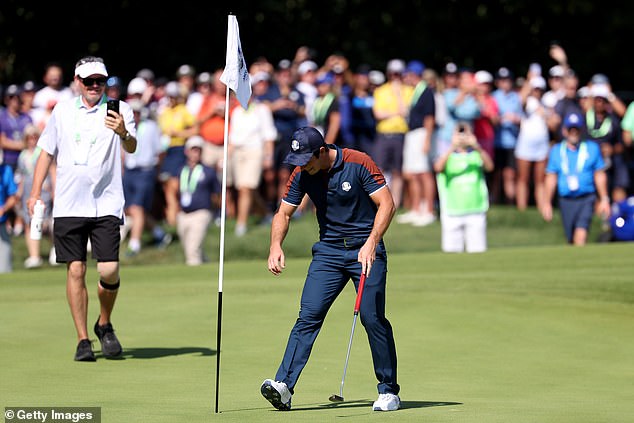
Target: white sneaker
x: 277, y: 394
x: 407, y: 217
x: 32, y: 262
x: 387, y: 402
x: 240, y: 230
x: 52, y: 257
x: 423, y: 219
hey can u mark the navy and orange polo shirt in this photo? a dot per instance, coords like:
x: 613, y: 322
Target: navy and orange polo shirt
x: 341, y: 195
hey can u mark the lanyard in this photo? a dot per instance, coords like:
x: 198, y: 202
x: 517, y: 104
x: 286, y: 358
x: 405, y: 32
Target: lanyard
x: 189, y: 180
x: 581, y: 157
x: 418, y: 91
x: 602, y: 130
x: 321, y: 106
x: 78, y: 139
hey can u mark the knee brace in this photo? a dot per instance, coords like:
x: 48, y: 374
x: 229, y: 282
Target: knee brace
x: 110, y: 287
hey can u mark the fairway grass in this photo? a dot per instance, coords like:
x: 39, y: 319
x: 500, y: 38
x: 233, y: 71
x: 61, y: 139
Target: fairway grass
x: 530, y: 334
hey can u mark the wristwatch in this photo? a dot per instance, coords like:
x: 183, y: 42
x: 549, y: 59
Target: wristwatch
x: 126, y: 137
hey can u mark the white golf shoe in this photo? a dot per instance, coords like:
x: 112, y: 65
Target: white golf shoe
x: 277, y: 393
x: 387, y: 402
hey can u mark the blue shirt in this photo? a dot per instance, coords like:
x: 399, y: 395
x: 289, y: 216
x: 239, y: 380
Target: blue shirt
x: 425, y: 106
x: 7, y: 187
x: 585, y: 177
x: 506, y: 133
x: 341, y: 195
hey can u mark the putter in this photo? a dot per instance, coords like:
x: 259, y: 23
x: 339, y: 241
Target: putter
x: 335, y: 397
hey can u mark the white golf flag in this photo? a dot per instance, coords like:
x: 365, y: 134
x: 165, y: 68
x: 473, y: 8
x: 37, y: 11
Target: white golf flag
x: 236, y: 75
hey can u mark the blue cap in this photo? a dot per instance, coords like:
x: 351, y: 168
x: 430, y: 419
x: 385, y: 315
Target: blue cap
x: 415, y: 66
x: 306, y: 141
x: 113, y: 81
x: 573, y: 120
x: 326, y: 78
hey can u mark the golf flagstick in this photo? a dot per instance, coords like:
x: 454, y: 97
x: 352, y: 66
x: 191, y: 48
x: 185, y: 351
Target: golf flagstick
x: 357, y: 305
x: 236, y: 77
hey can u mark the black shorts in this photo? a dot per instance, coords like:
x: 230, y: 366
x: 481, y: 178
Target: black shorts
x: 504, y: 158
x: 71, y: 238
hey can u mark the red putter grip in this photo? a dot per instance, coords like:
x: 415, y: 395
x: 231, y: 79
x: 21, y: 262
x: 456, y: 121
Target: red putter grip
x: 359, y: 293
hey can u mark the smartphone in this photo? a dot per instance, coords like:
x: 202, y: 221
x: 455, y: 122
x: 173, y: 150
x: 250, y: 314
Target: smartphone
x: 113, y: 105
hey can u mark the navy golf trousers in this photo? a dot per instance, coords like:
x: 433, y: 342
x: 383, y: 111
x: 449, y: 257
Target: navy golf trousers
x: 333, y: 265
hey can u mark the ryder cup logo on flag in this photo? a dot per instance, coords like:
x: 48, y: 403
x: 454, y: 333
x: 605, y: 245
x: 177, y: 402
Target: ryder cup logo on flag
x: 235, y: 75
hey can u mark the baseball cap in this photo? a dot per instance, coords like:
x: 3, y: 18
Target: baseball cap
x: 573, y: 120
x: 363, y: 69
x: 556, y: 71
x: 204, y: 78
x: 538, y: 82
x: 12, y: 90
x: 376, y: 77
x: 305, y: 142
x: 325, y: 78
x: 137, y: 85
x: 113, y: 81
x: 146, y: 74
x: 451, y: 68
x: 29, y: 86
x: 483, y: 77
x: 259, y: 77
x: 306, y: 66
x: 185, y: 70
x: 395, y: 66
x: 599, y: 78
x: 172, y: 89
x: 415, y: 66
x: 284, y: 64
x: 600, y: 90
x: 504, y: 73
x: 583, y: 92
x: 194, y: 141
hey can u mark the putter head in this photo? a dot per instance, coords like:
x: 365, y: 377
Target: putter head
x: 336, y: 398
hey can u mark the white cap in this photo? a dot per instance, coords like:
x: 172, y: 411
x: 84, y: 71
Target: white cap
x: 538, y: 82
x: 259, y: 77
x: 583, y: 92
x: 91, y: 68
x: 556, y: 70
x: 172, y: 89
x: 376, y: 77
x: 194, y: 141
x: 137, y: 85
x: 483, y: 77
x: 600, y: 90
x: 396, y: 66
x: 306, y: 66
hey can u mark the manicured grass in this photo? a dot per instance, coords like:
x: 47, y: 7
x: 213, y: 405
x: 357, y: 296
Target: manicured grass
x: 517, y: 334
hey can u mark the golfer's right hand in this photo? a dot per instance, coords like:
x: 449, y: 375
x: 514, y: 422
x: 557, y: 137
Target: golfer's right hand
x: 277, y: 261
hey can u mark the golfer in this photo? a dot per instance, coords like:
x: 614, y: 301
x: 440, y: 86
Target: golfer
x: 86, y: 140
x: 354, y: 209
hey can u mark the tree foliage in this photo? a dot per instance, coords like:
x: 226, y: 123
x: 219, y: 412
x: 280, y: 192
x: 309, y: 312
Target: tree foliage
x: 131, y: 34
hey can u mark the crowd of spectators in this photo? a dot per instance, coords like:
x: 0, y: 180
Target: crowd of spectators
x: 515, y: 118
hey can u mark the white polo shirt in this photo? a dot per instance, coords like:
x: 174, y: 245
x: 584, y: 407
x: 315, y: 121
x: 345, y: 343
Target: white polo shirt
x: 88, y: 182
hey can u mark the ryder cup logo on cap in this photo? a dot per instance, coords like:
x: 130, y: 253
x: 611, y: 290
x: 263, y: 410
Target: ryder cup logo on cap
x: 573, y: 120
x: 91, y: 68
x: 306, y: 141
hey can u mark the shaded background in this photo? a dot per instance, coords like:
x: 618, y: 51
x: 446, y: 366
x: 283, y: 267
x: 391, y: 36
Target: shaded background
x: 131, y: 35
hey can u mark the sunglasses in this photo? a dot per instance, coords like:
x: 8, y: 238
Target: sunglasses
x: 89, y: 82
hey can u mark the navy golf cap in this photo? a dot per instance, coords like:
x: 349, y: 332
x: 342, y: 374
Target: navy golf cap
x: 573, y: 120
x: 306, y: 141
